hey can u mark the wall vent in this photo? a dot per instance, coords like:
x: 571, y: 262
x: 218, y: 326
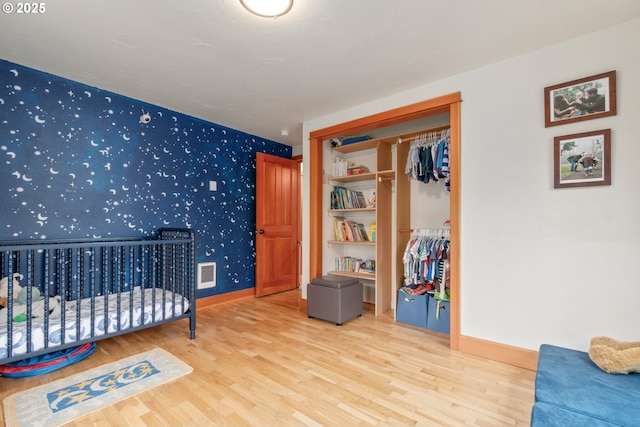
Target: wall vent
x: 206, y: 275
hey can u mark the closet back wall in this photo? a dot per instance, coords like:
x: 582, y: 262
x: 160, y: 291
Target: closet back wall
x: 78, y: 162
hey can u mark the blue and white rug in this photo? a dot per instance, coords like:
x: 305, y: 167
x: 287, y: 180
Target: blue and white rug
x: 76, y: 396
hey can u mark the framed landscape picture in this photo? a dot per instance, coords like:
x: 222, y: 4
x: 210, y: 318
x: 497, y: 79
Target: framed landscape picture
x: 582, y: 159
x: 582, y: 99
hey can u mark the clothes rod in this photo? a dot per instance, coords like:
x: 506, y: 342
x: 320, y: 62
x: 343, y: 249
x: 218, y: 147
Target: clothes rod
x: 446, y: 223
x: 411, y: 230
x: 412, y: 135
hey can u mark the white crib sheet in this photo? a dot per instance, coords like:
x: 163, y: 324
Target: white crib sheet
x: 174, y: 305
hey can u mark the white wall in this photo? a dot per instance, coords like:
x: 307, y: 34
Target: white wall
x: 539, y: 265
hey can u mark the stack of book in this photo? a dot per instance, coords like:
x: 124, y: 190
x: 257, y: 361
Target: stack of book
x: 354, y: 169
x: 349, y: 230
x: 355, y: 265
x: 342, y: 167
x: 344, y: 198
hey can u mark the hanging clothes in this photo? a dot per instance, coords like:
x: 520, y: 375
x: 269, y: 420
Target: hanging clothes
x: 428, y: 158
x: 426, y: 263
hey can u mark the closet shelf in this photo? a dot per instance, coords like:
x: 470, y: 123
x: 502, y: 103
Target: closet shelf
x: 391, y: 139
x: 358, y: 146
x: 354, y: 178
x: 366, y: 276
x: 353, y: 210
x: 351, y: 242
x: 369, y: 176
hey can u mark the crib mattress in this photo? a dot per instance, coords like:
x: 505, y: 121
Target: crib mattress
x: 158, y: 305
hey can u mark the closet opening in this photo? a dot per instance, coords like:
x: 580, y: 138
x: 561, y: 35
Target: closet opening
x: 447, y: 105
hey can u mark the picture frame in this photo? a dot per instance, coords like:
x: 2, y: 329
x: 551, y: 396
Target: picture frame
x: 588, y: 98
x: 582, y: 159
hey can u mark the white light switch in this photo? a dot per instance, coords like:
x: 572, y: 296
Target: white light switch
x: 213, y: 186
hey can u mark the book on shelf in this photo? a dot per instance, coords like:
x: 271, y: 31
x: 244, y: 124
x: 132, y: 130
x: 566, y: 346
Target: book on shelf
x: 345, y: 263
x: 339, y: 167
x: 347, y: 234
x: 342, y: 167
x: 345, y: 198
x: 348, y: 230
x: 372, y: 231
x: 362, y: 231
x: 368, y: 266
x: 337, y: 227
x: 355, y: 265
x: 355, y: 234
x: 371, y: 202
x: 355, y: 169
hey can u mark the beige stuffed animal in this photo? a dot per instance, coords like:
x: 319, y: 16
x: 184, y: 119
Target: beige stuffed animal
x: 615, y: 357
x: 4, y: 286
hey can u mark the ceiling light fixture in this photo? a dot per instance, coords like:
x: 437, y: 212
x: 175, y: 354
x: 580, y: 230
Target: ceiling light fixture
x: 268, y: 8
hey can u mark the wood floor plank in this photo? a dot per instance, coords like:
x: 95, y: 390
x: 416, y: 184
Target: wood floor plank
x: 261, y: 362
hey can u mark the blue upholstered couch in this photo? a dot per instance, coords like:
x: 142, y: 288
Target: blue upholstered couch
x: 572, y: 391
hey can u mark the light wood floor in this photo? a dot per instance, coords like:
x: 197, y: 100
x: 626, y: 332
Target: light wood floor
x: 261, y: 362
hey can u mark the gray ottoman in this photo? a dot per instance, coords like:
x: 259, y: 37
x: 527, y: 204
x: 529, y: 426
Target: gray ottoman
x: 334, y: 298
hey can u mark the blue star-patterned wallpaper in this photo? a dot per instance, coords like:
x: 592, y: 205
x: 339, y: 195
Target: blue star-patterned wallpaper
x: 77, y: 161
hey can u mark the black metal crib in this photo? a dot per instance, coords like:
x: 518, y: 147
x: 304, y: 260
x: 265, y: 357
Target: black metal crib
x: 64, y: 293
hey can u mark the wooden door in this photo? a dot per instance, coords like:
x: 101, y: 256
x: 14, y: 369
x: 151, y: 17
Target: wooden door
x: 276, y: 224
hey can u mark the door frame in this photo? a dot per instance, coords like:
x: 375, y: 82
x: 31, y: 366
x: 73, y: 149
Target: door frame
x: 298, y: 158
x: 448, y: 103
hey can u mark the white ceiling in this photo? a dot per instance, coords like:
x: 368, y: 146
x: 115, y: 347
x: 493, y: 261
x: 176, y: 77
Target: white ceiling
x: 213, y: 60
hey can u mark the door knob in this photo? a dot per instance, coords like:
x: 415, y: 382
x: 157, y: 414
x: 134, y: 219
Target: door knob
x: 261, y: 231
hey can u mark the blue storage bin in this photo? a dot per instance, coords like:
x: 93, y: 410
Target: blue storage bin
x: 439, y: 315
x: 412, y: 309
